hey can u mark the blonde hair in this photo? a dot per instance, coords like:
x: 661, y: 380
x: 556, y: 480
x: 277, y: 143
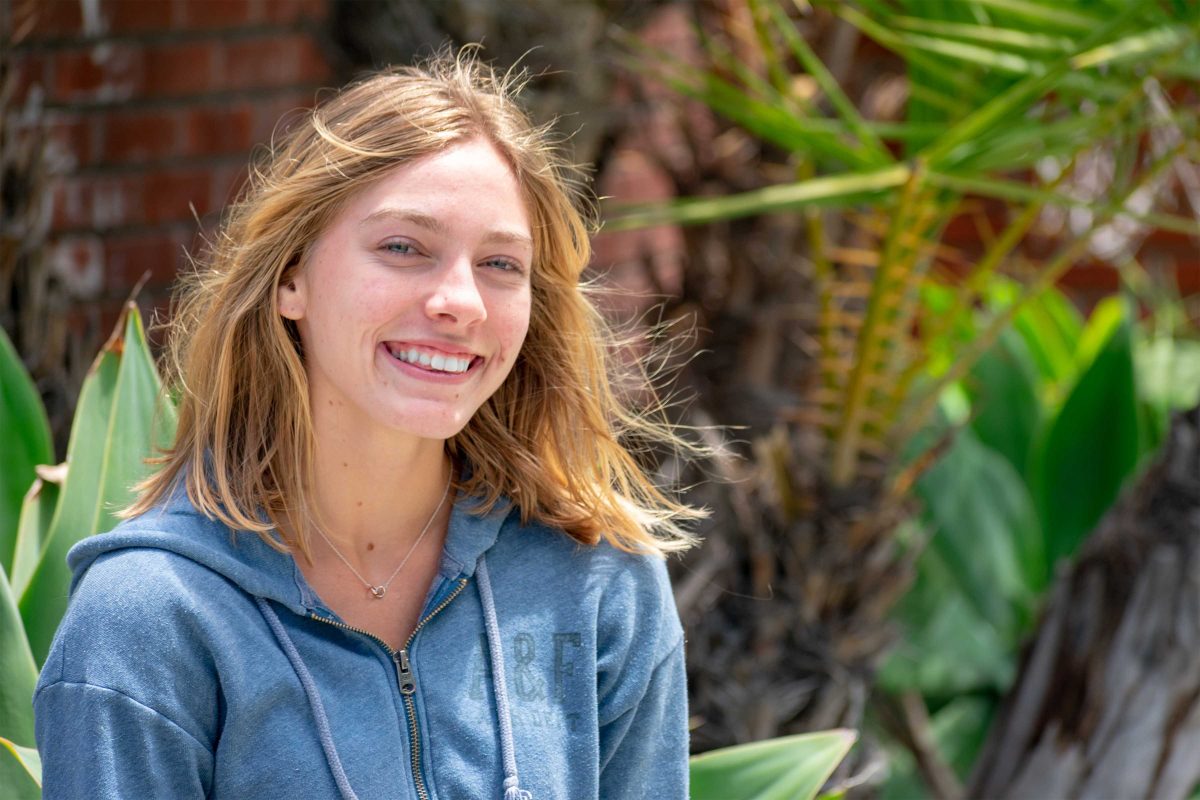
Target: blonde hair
x: 552, y: 438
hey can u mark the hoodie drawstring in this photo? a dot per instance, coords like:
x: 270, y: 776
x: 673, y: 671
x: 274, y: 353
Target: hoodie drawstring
x: 512, y: 787
x: 314, y: 699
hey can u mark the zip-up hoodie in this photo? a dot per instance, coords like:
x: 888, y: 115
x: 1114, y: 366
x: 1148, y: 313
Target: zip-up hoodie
x: 196, y: 662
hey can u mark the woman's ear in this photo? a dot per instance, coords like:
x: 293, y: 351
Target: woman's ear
x: 290, y: 294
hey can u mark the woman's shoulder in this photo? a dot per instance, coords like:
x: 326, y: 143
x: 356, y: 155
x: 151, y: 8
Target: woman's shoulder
x: 630, y: 592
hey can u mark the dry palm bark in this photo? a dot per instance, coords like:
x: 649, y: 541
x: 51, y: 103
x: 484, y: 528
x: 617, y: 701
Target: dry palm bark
x: 1107, y: 702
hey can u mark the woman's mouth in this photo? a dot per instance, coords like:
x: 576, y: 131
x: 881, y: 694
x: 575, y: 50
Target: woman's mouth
x: 431, y: 360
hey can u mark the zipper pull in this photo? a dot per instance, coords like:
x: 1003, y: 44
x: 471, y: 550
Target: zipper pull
x: 404, y: 676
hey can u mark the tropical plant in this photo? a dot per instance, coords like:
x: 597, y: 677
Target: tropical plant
x: 1010, y: 114
x: 788, y: 768
x: 118, y: 423
x: 1029, y: 472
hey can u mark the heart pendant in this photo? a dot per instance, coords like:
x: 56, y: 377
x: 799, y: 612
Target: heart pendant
x: 378, y: 592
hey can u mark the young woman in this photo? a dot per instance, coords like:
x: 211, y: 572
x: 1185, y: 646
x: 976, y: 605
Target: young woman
x: 397, y: 549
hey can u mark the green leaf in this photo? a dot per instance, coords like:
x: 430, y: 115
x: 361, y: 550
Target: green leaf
x: 1004, y: 389
x: 1090, y: 448
x: 986, y: 529
x: 29, y: 759
x: 114, y: 431
x: 1051, y: 327
x: 25, y: 432
x: 788, y: 768
x: 838, y: 190
x: 36, y: 512
x: 18, y: 676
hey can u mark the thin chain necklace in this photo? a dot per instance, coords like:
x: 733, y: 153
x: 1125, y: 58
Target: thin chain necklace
x: 379, y: 591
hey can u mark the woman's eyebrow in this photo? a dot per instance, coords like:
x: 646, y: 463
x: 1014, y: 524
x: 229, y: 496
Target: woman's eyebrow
x: 435, y: 225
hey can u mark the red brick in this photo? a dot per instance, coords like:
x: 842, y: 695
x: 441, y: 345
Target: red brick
x: 218, y: 14
x: 103, y: 72
x: 128, y: 257
x: 282, y: 107
x: 1187, y: 275
x: 171, y: 196
x: 69, y: 141
x: 287, y: 11
x: 29, y: 71
x: 140, y: 135
x: 227, y: 181
x: 46, y: 19
x: 215, y: 130
x: 271, y: 61
x: 97, y: 202
x: 140, y: 16
x: 179, y: 70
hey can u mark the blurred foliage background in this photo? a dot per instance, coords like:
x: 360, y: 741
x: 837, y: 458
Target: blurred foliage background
x: 934, y: 267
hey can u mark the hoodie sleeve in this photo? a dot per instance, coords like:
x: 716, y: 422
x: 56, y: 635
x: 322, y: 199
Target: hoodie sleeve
x: 644, y: 751
x: 127, y: 704
x: 642, y: 686
x: 96, y: 742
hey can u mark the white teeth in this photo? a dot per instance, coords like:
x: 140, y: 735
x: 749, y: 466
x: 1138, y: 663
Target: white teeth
x: 441, y: 363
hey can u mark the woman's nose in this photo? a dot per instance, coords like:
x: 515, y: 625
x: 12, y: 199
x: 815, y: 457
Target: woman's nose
x: 456, y: 294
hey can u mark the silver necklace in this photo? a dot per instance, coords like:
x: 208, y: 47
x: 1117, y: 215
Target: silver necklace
x: 379, y: 591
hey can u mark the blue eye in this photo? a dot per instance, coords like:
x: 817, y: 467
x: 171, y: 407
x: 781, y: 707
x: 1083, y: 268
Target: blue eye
x: 399, y: 248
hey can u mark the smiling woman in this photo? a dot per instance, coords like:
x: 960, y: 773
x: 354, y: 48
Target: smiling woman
x: 398, y: 517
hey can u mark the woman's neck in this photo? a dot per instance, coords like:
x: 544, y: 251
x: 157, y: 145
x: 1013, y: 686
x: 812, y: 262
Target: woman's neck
x: 379, y: 494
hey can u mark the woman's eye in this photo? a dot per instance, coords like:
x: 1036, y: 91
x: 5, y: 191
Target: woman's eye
x: 505, y: 264
x: 399, y: 248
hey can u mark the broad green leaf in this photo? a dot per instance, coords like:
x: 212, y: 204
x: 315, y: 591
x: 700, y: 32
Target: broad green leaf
x: 986, y: 530
x: 114, y: 431
x: 1051, y: 327
x: 1090, y: 448
x: 29, y: 760
x: 25, y: 433
x: 18, y: 676
x: 788, y: 768
x: 36, y: 512
x: 1004, y: 389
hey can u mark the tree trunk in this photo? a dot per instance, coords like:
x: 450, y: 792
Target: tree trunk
x: 1107, y: 702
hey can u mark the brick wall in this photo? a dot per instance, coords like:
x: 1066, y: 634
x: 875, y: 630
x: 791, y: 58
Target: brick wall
x: 150, y: 109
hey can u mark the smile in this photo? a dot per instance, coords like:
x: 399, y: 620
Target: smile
x: 431, y: 360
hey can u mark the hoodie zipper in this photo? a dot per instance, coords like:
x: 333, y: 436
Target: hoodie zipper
x: 405, y: 680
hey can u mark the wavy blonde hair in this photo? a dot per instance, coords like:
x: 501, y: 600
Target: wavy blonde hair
x: 552, y: 438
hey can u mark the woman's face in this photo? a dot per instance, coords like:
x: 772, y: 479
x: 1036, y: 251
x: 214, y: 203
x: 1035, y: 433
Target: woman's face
x: 413, y: 303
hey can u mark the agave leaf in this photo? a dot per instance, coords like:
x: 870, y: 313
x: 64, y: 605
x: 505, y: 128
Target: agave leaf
x: 28, y: 759
x: 114, y: 431
x: 787, y: 768
x: 25, y: 432
x: 36, y: 512
x: 16, y: 691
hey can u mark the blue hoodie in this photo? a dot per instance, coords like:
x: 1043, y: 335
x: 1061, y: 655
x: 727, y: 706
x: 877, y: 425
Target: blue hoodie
x: 195, y: 662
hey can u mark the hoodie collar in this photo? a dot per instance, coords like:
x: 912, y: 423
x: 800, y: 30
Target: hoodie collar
x: 257, y: 568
